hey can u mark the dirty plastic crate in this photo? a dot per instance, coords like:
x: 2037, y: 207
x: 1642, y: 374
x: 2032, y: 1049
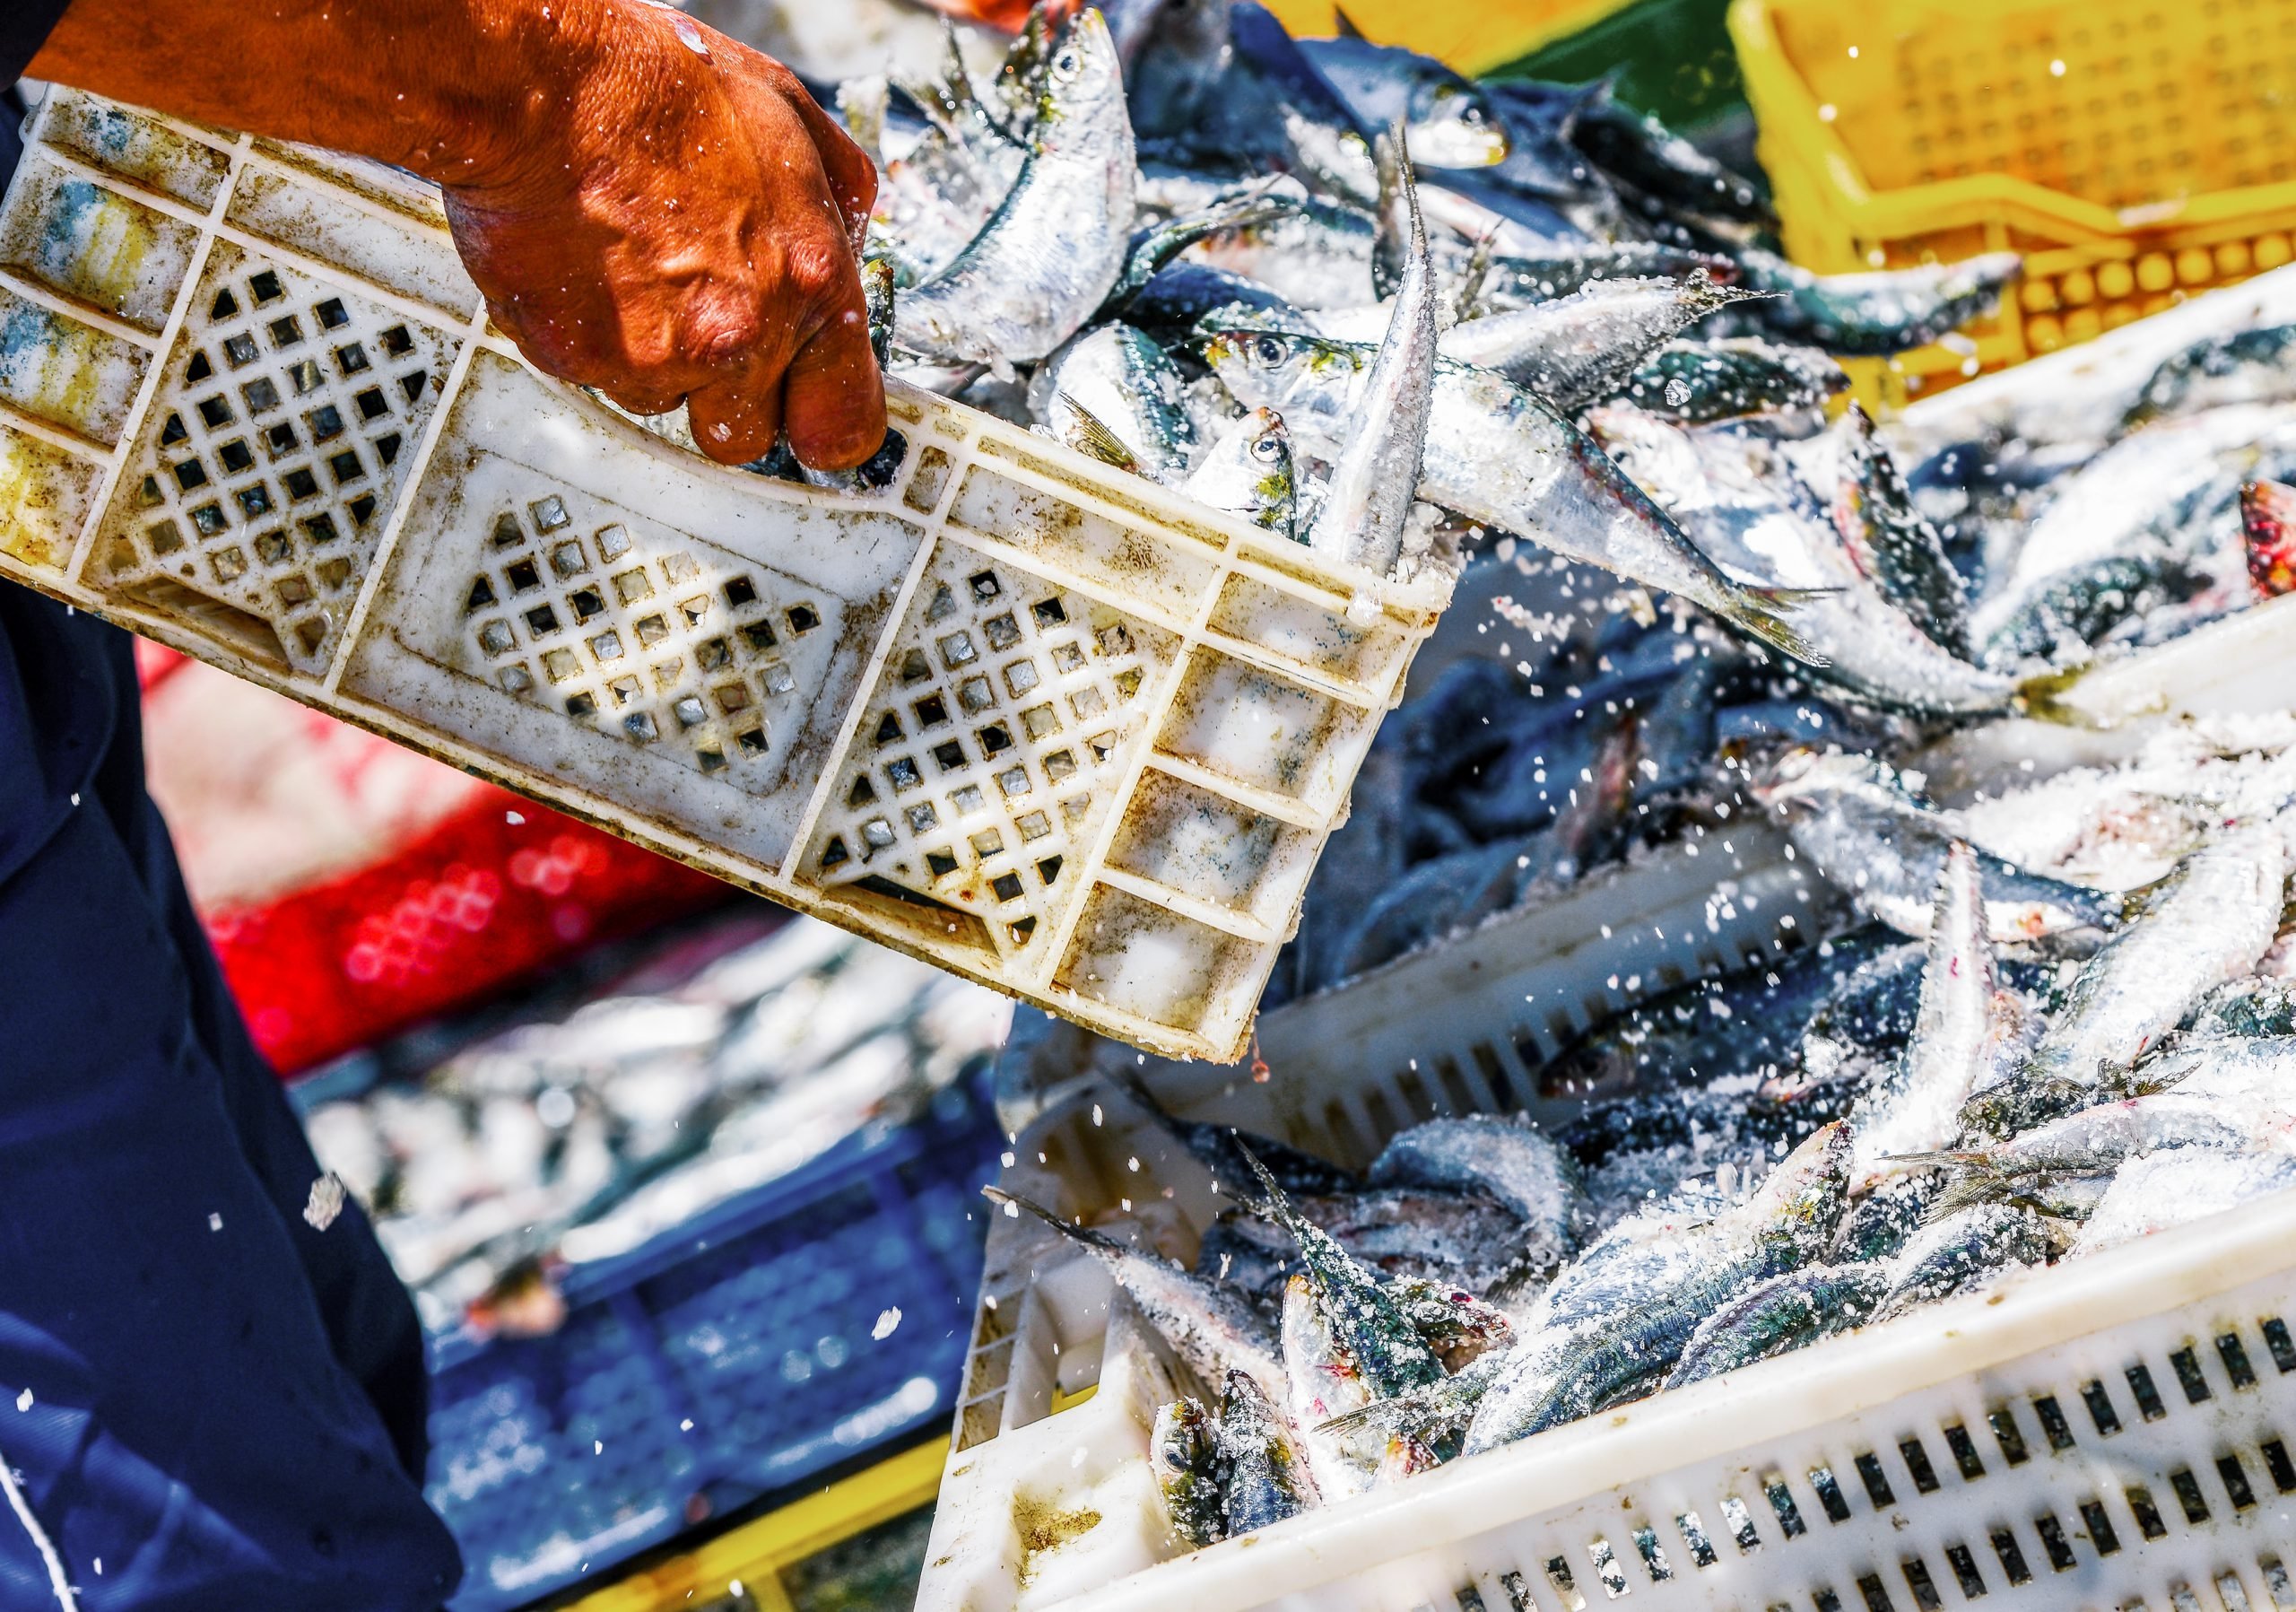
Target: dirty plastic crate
x: 1042, y: 724
x: 1974, y: 1420
x: 724, y: 1361
x: 2134, y: 151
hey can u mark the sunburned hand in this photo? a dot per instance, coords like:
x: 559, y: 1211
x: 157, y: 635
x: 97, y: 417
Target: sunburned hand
x: 650, y: 208
x: 688, y: 231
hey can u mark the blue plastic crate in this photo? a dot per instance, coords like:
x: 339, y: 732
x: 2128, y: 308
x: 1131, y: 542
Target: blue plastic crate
x: 719, y: 1362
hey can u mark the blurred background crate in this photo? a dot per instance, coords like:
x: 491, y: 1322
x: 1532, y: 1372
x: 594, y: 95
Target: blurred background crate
x: 765, y: 1342
x: 2136, y: 151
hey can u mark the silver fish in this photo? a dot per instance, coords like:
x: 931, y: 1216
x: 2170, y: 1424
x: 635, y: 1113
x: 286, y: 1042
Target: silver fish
x: 1250, y: 472
x: 2173, y: 1189
x: 1057, y: 244
x: 1962, y: 1252
x: 1584, y: 347
x: 1919, y: 1107
x: 1183, y: 1451
x: 1369, y: 496
x: 1893, y: 542
x: 2141, y: 495
x: 1263, y: 1478
x: 1745, y: 508
x: 1211, y: 1327
x: 1698, y: 383
x: 1789, y: 1311
x: 1120, y: 378
x: 1512, y: 1162
x: 1613, y: 1335
x: 2209, y: 924
x: 1497, y: 454
x: 1885, y: 847
x: 1451, y: 121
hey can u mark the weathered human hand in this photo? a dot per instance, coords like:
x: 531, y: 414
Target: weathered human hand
x: 681, y: 221
x: 650, y: 208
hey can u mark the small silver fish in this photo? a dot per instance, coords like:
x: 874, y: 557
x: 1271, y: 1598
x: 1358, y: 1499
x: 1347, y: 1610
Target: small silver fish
x: 1585, y: 347
x: 1497, y: 454
x: 1250, y: 472
x: 1368, y: 498
x: 1055, y: 246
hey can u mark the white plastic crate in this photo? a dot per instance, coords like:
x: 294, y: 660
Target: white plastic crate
x: 1040, y: 723
x: 1048, y: 1500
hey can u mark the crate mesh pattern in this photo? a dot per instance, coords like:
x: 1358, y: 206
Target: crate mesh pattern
x: 250, y: 406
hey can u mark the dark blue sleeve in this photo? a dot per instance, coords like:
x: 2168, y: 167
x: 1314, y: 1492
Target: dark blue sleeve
x: 24, y: 28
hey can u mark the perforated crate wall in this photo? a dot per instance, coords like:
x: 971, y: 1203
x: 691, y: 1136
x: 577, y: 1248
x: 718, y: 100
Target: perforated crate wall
x: 1040, y: 723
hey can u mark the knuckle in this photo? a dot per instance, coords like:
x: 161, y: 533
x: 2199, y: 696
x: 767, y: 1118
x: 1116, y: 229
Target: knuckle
x: 814, y: 266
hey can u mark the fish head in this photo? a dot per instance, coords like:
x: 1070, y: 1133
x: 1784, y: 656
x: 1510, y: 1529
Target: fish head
x: 1453, y: 124
x: 1268, y: 449
x: 1805, y: 1197
x: 1264, y: 369
x: 1082, y: 92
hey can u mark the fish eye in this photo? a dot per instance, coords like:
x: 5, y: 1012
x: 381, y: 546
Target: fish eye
x: 1268, y: 449
x: 1068, y: 64
x: 1268, y: 350
x: 1471, y: 115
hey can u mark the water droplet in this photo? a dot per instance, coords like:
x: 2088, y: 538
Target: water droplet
x: 1677, y: 392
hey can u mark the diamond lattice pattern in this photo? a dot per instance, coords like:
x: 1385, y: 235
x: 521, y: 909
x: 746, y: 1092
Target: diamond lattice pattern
x: 269, y: 484
x: 990, y: 753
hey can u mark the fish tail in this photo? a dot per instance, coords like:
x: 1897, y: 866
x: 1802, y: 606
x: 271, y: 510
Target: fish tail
x: 1767, y: 613
x: 1069, y: 1229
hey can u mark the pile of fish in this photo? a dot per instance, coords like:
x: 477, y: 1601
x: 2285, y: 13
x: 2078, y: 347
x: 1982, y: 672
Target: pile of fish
x: 1406, y: 318
x: 721, y: 1061
x: 2043, y: 1023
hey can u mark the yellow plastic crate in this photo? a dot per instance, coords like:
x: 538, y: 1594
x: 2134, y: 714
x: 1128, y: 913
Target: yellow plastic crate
x: 2134, y: 151
x: 746, y: 1564
x: 1473, y: 38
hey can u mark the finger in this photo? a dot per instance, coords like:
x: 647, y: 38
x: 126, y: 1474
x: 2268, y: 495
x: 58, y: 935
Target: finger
x: 832, y: 399
x: 736, y: 420
x: 852, y: 177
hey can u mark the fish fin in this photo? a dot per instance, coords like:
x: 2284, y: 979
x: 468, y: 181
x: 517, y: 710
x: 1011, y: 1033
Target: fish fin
x: 1069, y: 1229
x: 1089, y: 436
x: 1344, y: 26
x: 1767, y: 613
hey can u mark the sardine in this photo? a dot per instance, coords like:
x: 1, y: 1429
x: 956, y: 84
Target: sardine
x: 1057, y: 244
x: 1786, y: 1312
x: 1698, y: 383
x: 1250, y: 472
x: 1450, y: 120
x: 1962, y: 1252
x: 1116, y: 378
x: 1919, y: 1107
x: 1366, y: 1323
x: 2208, y: 924
x: 1585, y: 347
x: 1497, y: 454
x: 1264, y: 1479
x: 1513, y: 1164
x: 1211, y: 1328
x: 1876, y: 314
x: 1891, y: 541
x: 1753, y: 518
x: 1885, y: 848
x: 1377, y: 469
x: 1184, y: 1451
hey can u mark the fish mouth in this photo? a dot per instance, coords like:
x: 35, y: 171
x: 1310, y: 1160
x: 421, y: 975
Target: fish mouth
x: 1450, y: 144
